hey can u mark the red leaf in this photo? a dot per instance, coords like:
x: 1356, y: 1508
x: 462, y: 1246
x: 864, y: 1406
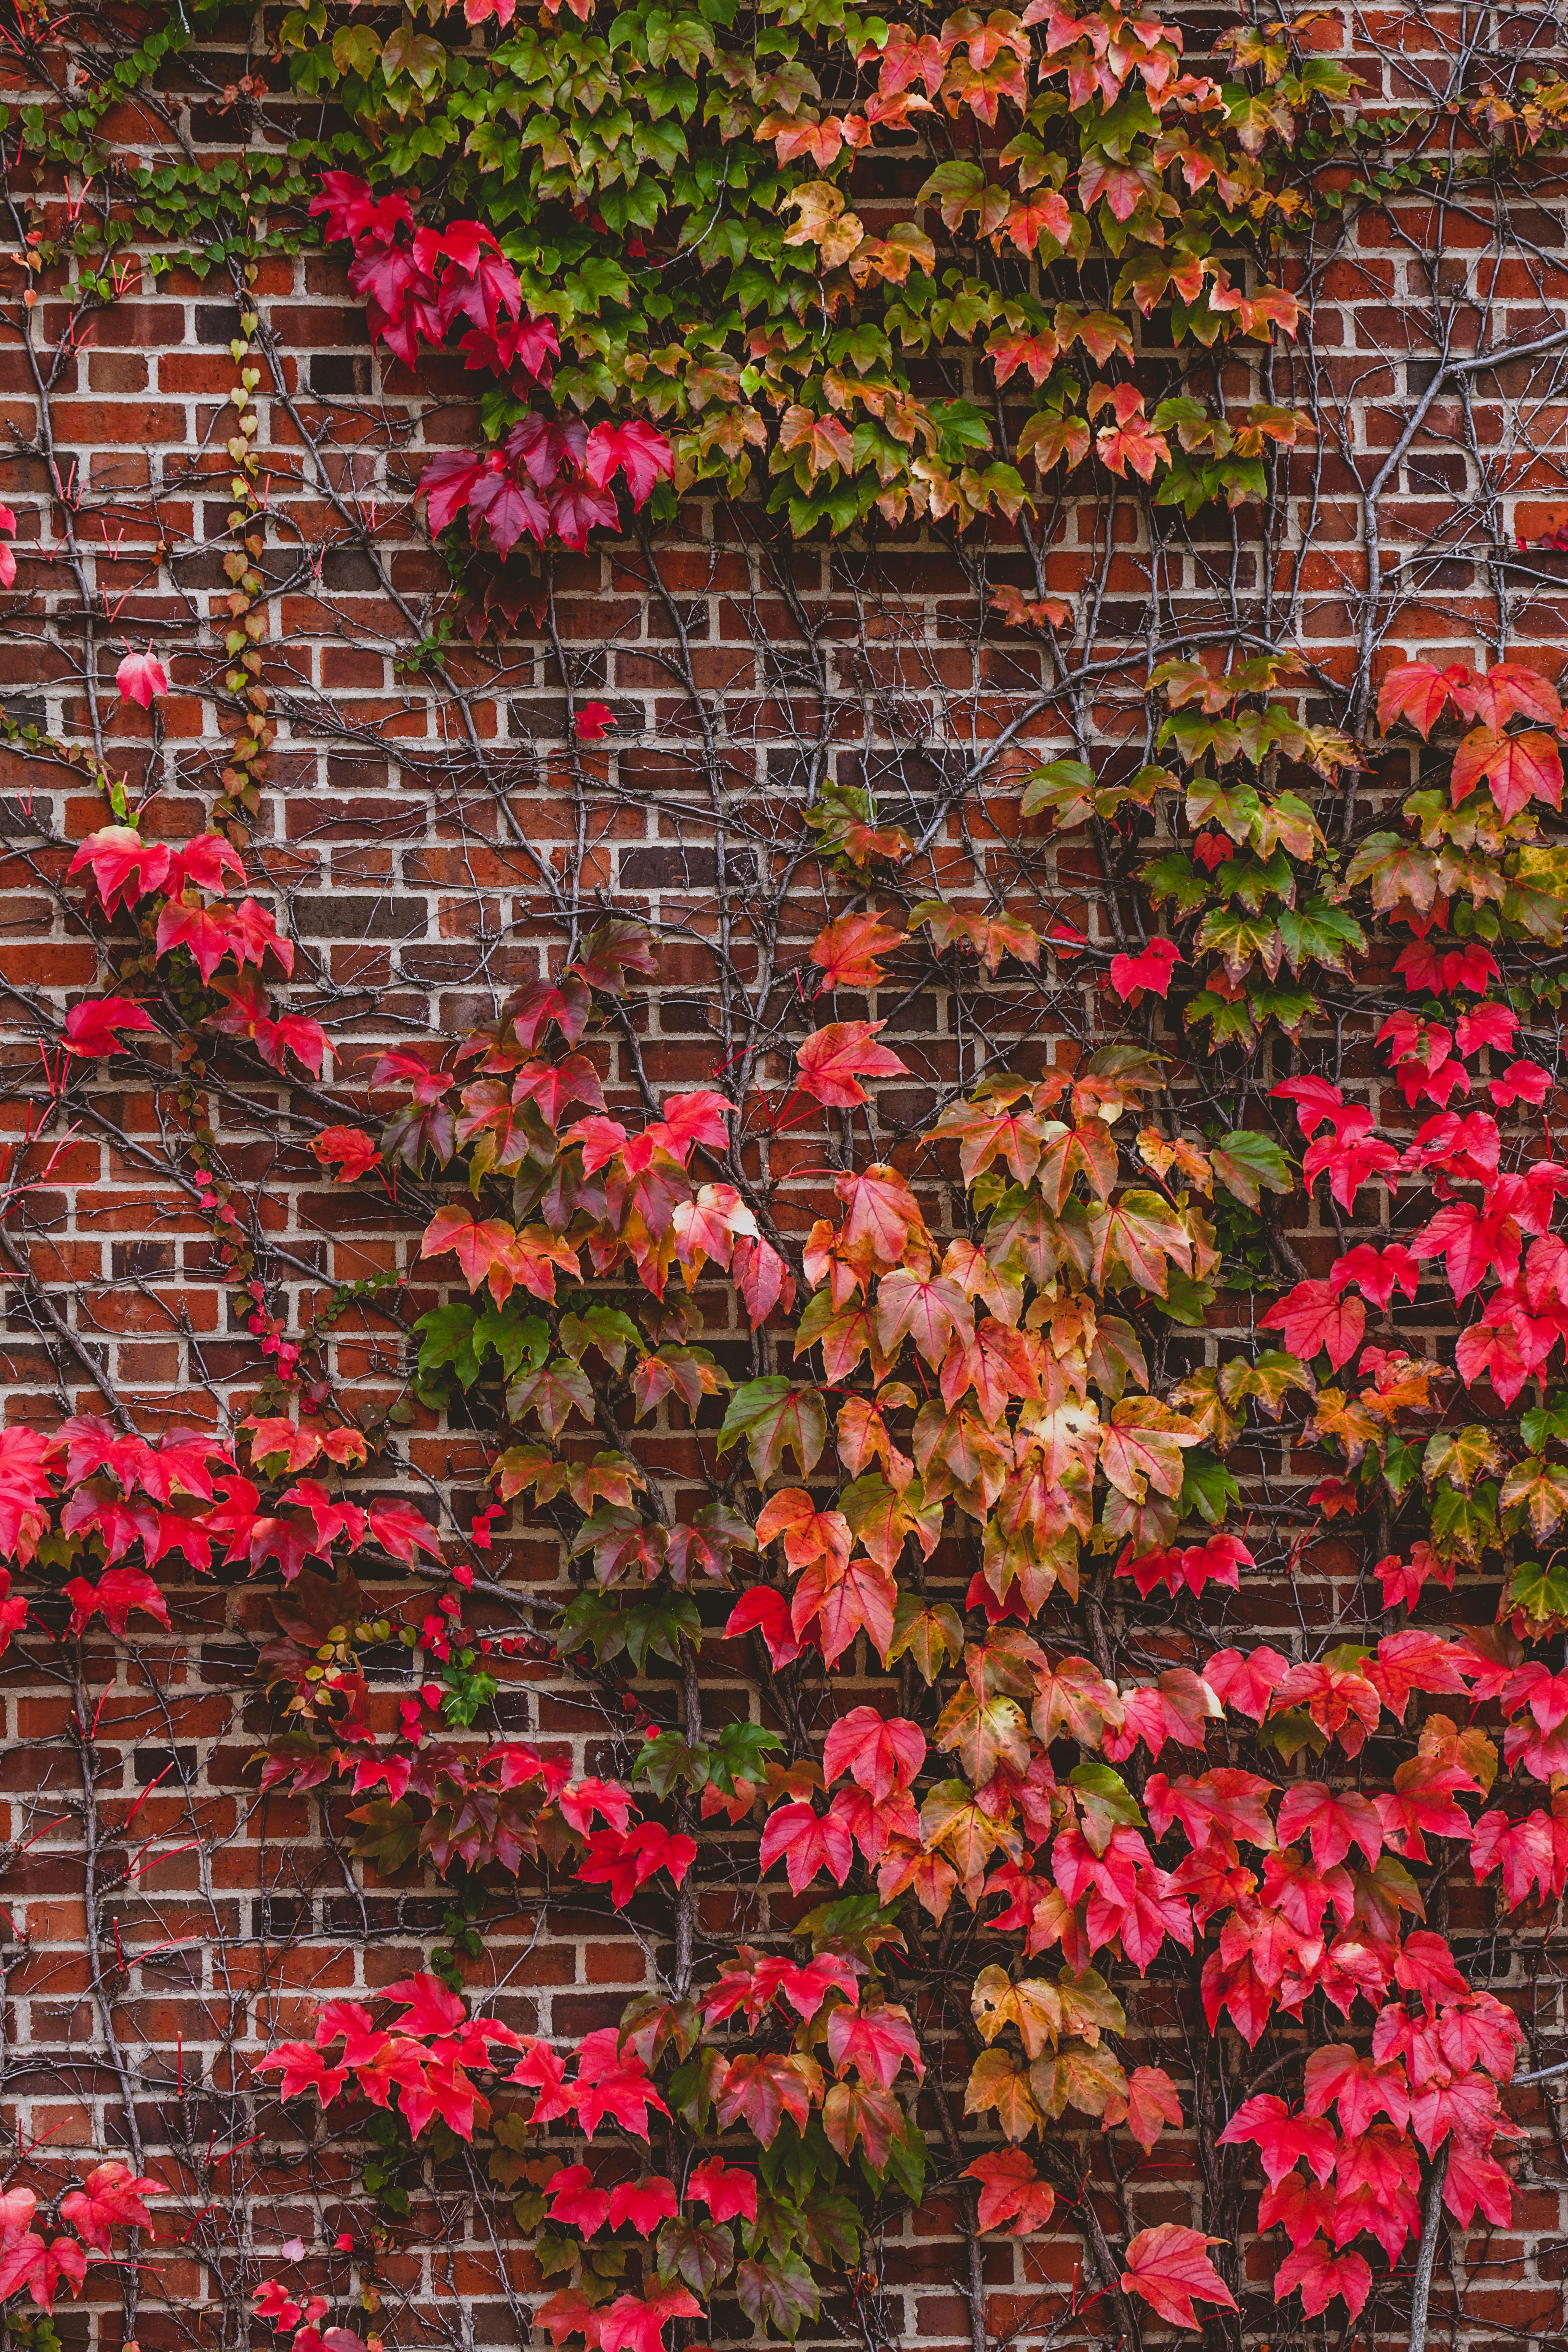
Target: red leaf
x: 433, y: 2009
x: 848, y: 951
x: 1010, y: 2191
x: 634, y: 449
x: 1419, y: 692
x: 447, y: 483
x: 117, y: 1592
x: 593, y: 720
x: 109, y: 2197
x: 808, y: 1844
x: 140, y: 678
x: 834, y: 1060
x: 1475, y: 2179
x: 1322, y: 2276
x: 1312, y: 1318
x: 881, y: 1755
x: 726, y: 2191
x: 347, y: 1149
x: 643, y: 2203
x: 1280, y: 2138
x: 1151, y: 969
x: 1167, y: 2266
x: 124, y: 867
x: 1335, y: 1820
x: 402, y: 1530
x: 875, y: 2041
x: 90, y: 1027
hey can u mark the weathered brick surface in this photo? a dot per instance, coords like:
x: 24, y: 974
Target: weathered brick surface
x: 429, y: 844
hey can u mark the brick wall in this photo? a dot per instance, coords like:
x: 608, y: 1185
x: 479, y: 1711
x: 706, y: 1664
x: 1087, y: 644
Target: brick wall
x: 429, y: 842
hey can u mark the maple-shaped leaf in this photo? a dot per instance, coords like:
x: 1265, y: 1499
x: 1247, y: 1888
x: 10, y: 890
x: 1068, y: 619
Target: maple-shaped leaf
x: 761, y: 2091
x: 700, y: 2252
x: 861, y: 2113
x: 1153, y: 2105
x: 110, y: 2198
x: 832, y: 1061
x: 1010, y: 2191
x: 1524, y: 1850
x: 1282, y: 2139
x: 1300, y: 2207
x: 875, y: 2041
x: 774, y: 1416
x: 576, y: 2199
x: 1138, y: 1239
x: 848, y: 951
x: 124, y: 867
x: 1168, y: 2266
x: 1246, y: 1682
x: 118, y: 1591
x: 1333, y: 1819
x: 1324, y: 2277
x: 304, y: 2068
x: 205, y: 932
x: 631, y: 2325
x: 809, y: 1842
x: 613, y: 2083
x: 727, y: 2191
x: 1517, y: 769
x: 637, y: 450
x: 994, y: 2082
x: 40, y: 2267
x: 92, y: 1028
x: 1314, y: 1317
x: 402, y: 1530
x: 348, y: 1150
x: 1475, y: 2179
x: 643, y: 2203
x: 881, y: 1754
x: 1420, y: 692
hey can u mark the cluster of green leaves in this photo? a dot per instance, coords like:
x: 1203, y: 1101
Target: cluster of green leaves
x: 678, y: 190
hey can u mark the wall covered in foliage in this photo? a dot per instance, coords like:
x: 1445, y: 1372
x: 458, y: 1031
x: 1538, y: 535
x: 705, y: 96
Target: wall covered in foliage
x: 784, y: 1483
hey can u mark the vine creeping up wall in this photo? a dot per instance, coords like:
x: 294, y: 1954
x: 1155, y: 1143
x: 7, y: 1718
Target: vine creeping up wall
x: 785, y: 1461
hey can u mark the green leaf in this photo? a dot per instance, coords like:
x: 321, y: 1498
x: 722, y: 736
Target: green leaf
x: 1246, y: 1160
x: 1537, y: 1594
x: 1209, y: 1490
x: 1106, y: 1801
x: 778, y: 2292
x: 447, y: 1337
x: 775, y: 1417
x: 1464, y: 1525
x: 700, y: 2252
x: 1176, y: 877
x: 1544, y: 1424
x: 1319, y: 933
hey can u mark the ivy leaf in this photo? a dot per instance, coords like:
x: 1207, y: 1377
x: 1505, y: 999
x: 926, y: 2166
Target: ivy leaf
x: 862, y: 2113
x: 779, y: 2293
x: 775, y: 1417
x: 1247, y: 1161
x: 1168, y: 2266
x: 700, y: 2252
x: 931, y: 1632
x: 1319, y: 933
x: 1089, y: 2078
x: 1541, y: 1492
x: 996, y: 2082
x: 1139, y: 1237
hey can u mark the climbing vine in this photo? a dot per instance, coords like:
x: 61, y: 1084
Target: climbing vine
x: 916, y: 1444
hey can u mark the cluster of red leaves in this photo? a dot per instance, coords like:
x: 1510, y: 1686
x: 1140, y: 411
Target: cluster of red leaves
x: 188, y: 887
x: 549, y: 479
x: 111, y: 2198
